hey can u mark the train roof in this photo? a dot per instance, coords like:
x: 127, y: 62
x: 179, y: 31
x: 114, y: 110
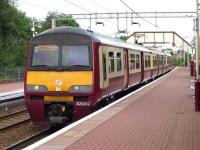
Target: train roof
x: 94, y: 36
x: 157, y: 52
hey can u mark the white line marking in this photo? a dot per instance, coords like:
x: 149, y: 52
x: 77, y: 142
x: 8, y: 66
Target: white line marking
x: 12, y: 92
x: 63, y: 130
x: 10, y: 95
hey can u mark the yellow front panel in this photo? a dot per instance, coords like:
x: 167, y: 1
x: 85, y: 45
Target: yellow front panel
x: 68, y: 79
x: 58, y: 98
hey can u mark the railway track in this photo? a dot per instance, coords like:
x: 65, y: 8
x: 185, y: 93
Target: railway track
x: 13, y: 119
x: 48, y: 131
x: 36, y: 137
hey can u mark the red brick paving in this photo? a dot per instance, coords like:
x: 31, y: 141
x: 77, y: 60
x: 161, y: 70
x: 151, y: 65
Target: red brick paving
x: 160, y: 117
x: 11, y: 87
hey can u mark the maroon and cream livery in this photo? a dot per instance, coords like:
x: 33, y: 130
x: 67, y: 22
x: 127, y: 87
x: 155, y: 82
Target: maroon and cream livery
x: 70, y: 71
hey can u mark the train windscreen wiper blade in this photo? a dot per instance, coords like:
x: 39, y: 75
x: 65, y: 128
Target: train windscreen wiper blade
x: 42, y: 66
x: 77, y: 66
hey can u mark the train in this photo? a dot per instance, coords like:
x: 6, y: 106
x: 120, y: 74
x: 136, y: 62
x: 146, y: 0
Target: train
x: 70, y: 71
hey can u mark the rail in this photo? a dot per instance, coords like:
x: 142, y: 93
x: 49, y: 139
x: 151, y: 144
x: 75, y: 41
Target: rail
x: 14, y: 119
x: 30, y: 140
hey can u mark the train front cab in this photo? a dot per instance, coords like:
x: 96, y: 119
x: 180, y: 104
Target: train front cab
x: 59, y: 78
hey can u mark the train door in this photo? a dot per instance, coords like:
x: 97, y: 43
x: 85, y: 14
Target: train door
x: 103, y: 65
x: 162, y: 64
x: 142, y: 66
x: 151, y: 64
x: 157, y: 63
x: 125, y: 68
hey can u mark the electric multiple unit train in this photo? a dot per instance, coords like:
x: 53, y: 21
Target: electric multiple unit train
x: 69, y: 71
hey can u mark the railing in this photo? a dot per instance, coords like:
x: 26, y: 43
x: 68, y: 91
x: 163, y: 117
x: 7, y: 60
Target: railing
x: 8, y: 74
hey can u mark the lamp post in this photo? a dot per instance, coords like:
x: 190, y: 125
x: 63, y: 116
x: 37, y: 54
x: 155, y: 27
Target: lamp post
x: 53, y: 23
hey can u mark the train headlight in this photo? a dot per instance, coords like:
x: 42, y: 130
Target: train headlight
x: 81, y: 89
x: 36, y: 88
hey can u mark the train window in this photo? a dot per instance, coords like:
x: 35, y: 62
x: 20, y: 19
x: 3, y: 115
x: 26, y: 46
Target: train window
x: 104, y: 67
x: 155, y: 62
x: 147, y: 61
x: 164, y: 60
x: 45, y: 55
x: 137, y: 61
x: 160, y: 60
x: 75, y: 55
x: 119, y: 62
x: 132, y: 61
x: 112, y: 62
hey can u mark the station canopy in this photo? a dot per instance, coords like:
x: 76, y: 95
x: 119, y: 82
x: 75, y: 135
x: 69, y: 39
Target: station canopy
x: 163, y: 39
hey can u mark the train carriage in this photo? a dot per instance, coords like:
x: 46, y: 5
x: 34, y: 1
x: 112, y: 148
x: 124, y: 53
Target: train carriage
x: 157, y: 65
x: 69, y: 71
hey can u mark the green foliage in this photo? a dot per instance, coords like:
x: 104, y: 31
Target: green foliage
x: 123, y: 38
x: 14, y: 34
x: 179, y: 61
x: 61, y: 20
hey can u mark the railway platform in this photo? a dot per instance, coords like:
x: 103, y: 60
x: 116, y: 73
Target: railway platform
x: 159, y: 116
x: 10, y: 87
x: 11, y: 90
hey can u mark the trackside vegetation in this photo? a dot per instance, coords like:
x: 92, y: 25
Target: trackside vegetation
x: 15, y: 32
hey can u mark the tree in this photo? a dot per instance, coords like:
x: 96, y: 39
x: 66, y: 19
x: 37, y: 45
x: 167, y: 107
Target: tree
x: 14, y: 34
x: 123, y: 38
x: 62, y: 20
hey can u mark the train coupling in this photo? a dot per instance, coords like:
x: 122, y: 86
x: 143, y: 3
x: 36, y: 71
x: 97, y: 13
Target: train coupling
x: 59, y: 113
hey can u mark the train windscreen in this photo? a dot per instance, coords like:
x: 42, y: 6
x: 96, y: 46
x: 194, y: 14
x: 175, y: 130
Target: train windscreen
x: 46, y: 55
x: 75, y: 55
x: 61, y: 52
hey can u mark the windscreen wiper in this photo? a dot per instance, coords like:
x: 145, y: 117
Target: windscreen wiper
x: 77, y: 66
x: 43, y: 66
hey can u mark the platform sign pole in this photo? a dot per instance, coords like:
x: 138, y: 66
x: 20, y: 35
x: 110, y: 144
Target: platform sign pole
x: 197, y: 83
x: 197, y: 40
x: 53, y: 23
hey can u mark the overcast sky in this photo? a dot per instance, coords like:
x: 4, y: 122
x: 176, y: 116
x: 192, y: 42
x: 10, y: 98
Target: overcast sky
x: 184, y: 27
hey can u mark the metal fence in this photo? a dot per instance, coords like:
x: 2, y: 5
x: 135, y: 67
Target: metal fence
x: 8, y: 75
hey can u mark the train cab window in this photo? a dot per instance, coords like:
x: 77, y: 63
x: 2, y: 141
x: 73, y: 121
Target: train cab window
x: 119, y: 62
x: 112, y: 62
x: 137, y: 61
x: 45, y: 55
x: 75, y: 55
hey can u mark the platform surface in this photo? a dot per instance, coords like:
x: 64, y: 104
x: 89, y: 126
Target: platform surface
x: 161, y: 116
x: 10, y: 87
x: 11, y: 91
